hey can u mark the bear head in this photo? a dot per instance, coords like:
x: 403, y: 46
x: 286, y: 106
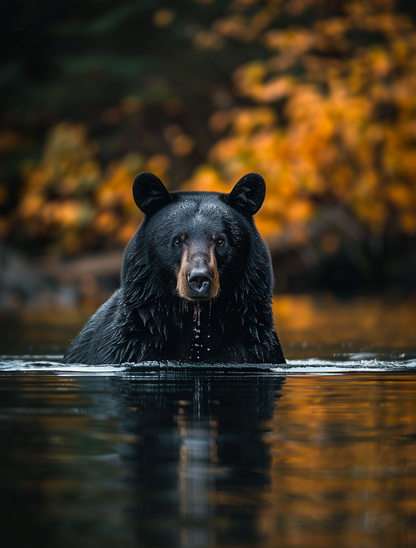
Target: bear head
x: 197, y: 243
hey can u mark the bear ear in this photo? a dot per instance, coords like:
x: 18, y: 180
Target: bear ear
x: 248, y: 194
x: 149, y: 193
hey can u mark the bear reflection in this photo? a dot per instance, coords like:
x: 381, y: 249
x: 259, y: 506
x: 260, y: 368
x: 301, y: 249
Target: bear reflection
x: 197, y: 463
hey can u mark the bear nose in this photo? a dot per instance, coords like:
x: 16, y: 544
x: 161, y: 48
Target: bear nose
x: 200, y: 281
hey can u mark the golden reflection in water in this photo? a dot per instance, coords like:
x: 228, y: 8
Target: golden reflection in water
x: 343, y: 469
x: 197, y: 457
x: 324, y: 321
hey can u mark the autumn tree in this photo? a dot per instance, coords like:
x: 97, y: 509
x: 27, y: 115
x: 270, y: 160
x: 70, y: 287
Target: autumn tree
x: 329, y: 114
x: 317, y: 96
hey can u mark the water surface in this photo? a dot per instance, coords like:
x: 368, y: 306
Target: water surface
x: 319, y: 453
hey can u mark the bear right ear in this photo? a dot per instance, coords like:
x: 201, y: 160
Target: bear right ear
x: 149, y: 193
x: 248, y: 194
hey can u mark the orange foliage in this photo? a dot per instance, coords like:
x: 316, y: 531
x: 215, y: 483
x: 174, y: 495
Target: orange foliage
x: 69, y: 200
x: 330, y: 119
x: 327, y: 119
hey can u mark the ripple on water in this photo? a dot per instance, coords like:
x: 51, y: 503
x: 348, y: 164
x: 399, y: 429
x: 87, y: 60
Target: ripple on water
x: 341, y: 364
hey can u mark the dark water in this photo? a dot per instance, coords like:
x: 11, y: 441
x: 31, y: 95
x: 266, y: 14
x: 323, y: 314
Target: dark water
x: 318, y: 454
x: 321, y: 453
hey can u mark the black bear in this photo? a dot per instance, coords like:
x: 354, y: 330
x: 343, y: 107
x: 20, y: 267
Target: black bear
x: 196, y: 283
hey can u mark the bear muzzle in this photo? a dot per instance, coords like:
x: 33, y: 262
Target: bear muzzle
x: 198, y: 277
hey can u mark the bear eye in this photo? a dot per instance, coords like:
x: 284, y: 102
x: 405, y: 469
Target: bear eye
x: 177, y: 241
x: 220, y: 241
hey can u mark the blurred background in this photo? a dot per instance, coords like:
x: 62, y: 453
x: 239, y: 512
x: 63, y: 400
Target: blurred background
x: 319, y: 96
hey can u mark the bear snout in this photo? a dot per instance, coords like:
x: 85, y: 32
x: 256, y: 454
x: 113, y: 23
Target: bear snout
x: 198, y: 276
x: 199, y: 282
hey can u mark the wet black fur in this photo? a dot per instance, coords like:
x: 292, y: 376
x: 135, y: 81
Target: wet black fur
x: 146, y: 319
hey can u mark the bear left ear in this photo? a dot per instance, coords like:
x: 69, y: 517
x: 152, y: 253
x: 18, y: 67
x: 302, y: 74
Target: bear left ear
x: 149, y: 193
x: 248, y: 194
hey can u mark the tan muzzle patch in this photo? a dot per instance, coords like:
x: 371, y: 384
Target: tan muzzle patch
x: 198, y: 277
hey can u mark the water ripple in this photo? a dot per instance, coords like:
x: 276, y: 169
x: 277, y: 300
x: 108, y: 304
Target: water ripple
x: 364, y: 362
